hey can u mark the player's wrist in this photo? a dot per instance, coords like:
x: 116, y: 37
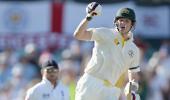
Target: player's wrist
x: 89, y: 17
x: 131, y: 87
x: 135, y: 86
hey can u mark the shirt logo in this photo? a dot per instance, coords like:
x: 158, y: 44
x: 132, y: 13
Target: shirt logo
x: 62, y: 94
x: 46, y: 95
x: 131, y: 53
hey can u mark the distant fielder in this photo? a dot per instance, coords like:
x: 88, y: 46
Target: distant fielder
x: 114, y: 53
x: 50, y: 88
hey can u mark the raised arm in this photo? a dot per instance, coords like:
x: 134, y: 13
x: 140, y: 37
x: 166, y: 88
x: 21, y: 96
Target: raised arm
x: 81, y: 32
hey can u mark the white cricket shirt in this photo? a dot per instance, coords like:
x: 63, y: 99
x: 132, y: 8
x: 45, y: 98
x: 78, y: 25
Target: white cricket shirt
x: 110, y: 57
x: 45, y: 91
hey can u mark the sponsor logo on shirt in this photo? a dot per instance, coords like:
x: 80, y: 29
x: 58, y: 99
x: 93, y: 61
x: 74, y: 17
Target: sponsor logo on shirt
x: 46, y: 95
x: 62, y: 94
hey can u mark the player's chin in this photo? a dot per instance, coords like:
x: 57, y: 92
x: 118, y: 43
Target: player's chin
x: 122, y: 31
x: 53, y: 77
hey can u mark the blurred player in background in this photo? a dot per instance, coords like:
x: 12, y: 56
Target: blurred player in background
x: 50, y: 88
x: 114, y: 54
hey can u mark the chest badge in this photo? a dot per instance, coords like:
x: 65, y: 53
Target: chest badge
x: 131, y: 53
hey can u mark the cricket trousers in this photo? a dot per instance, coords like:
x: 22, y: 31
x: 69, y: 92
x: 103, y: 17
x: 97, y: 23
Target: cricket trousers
x: 92, y: 88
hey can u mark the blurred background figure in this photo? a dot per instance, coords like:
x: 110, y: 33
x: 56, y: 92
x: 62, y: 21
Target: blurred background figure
x: 50, y: 87
x: 33, y: 31
x: 69, y: 75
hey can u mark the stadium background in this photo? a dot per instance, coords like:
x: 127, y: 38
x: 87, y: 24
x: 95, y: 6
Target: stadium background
x: 32, y: 31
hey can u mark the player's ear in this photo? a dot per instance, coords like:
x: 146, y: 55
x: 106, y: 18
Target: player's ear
x: 115, y: 23
x: 133, y: 23
x: 133, y: 26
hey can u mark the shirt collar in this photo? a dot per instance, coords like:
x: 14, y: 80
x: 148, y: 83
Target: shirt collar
x: 48, y: 82
x: 131, y: 37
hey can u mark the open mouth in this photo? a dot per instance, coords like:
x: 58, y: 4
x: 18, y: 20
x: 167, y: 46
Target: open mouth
x: 122, y: 28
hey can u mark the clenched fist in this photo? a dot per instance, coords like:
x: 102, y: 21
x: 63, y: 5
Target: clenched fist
x: 93, y: 9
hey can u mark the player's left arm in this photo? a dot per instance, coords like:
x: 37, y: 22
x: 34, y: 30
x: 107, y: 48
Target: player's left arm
x: 132, y: 86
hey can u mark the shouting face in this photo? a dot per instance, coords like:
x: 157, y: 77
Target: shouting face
x: 124, y: 25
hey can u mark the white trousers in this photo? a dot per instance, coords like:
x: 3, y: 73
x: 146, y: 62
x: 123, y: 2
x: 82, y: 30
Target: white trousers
x: 92, y: 88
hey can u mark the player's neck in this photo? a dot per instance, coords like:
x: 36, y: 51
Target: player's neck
x: 54, y: 83
x: 125, y: 36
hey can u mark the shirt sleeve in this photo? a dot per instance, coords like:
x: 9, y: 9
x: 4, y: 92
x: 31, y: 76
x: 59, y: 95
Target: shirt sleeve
x: 96, y: 34
x: 136, y: 60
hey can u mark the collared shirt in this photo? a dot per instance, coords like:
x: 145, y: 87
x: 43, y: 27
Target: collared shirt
x: 111, y: 57
x: 45, y: 91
